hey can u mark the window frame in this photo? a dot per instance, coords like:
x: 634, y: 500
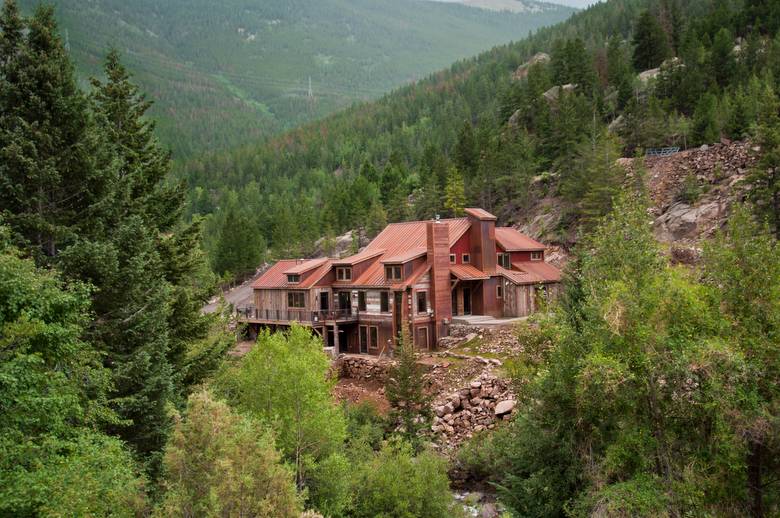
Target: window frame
x: 422, y: 296
x: 362, y: 301
x: 343, y: 273
x: 392, y: 269
x: 291, y: 299
x: 500, y: 290
x: 465, y: 258
x: 506, y: 257
x: 373, y: 337
x: 537, y: 256
x: 293, y: 278
x: 453, y: 258
x: 384, y: 302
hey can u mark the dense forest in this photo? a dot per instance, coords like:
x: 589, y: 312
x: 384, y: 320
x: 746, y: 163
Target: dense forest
x: 231, y: 72
x: 648, y: 390
x: 477, y: 126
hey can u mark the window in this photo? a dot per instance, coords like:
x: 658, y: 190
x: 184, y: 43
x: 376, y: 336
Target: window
x: 537, y: 256
x: 452, y: 258
x: 374, y: 337
x: 422, y: 302
x: 500, y: 290
x: 466, y: 258
x: 505, y: 260
x: 344, y: 274
x: 384, y: 302
x: 393, y: 273
x: 361, y: 301
x: 296, y: 299
x: 293, y: 278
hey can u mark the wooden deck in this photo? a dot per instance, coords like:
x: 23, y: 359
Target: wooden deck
x: 253, y: 315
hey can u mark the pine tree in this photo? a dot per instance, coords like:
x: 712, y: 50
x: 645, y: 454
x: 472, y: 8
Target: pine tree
x: 405, y: 389
x: 465, y: 154
x: 455, y: 193
x: 50, y: 182
x: 764, y: 178
x: 651, y: 44
x: 705, y: 121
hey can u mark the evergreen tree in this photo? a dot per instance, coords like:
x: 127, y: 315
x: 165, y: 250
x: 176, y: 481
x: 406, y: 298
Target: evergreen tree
x: 50, y: 181
x: 240, y: 247
x: 454, y: 193
x: 705, y: 120
x: 465, y: 154
x: 405, y: 390
x: 764, y: 178
x: 722, y: 61
x: 651, y: 44
x: 619, y: 71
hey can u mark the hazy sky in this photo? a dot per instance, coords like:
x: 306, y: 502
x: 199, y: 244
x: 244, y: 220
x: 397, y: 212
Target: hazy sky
x: 573, y: 3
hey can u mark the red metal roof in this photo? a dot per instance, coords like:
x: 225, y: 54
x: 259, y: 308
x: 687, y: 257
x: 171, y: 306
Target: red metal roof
x: 467, y: 272
x: 538, y: 271
x: 513, y: 275
x: 276, y: 276
x: 359, y: 257
x: 305, y: 266
x: 399, y: 238
x: 405, y: 257
x: 480, y: 214
x: 513, y: 241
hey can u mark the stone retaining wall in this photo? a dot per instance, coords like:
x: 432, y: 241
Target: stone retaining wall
x: 363, y: 367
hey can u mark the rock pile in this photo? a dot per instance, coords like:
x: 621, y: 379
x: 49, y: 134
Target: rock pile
x: 364, y: 368
x: 480, y: 341
x: 714, y: 172
x: 472, y: 409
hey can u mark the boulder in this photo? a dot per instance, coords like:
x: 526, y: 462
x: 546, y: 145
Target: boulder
x: 504, y: 407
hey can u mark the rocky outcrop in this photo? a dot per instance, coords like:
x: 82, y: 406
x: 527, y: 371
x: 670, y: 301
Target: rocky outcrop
x: 522, y: 70
x: 471, y: 409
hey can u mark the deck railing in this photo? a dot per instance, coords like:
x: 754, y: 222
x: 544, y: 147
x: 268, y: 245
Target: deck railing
x: 294, y: 315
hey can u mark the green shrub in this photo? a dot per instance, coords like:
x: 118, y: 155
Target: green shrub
x: 395, y: 483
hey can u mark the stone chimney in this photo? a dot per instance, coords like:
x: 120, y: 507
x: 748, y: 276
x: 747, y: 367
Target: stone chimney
x: 438, y: 241
x: 483, y: 240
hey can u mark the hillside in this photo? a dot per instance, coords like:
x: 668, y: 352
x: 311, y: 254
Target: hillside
x: 483, y: 131
x: 225, y: 73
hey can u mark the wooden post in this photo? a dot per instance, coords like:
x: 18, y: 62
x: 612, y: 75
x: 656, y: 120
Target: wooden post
x: 336, y: 339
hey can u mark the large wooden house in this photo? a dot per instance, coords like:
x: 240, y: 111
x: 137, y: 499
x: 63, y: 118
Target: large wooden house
x: 414, y: 276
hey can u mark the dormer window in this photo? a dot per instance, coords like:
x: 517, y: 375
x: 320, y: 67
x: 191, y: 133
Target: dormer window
x: 293, y: 278
x: 344, y: 273
x: 466, y: 258
x: 537, y: 256
x: 393, y: 273
x: 505, y: 260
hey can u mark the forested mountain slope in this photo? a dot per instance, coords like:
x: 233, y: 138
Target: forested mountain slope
x: 482, y: 131
x: 228, y: 72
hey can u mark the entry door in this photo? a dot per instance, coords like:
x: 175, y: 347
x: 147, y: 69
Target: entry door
x: 422, y: 337
x: 345, y: 301
x: 466, y: 301
x: 324, y: 301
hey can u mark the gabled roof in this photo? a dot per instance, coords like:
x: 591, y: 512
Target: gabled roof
x: 538, y: 271
x: 513, y: 241
x: 275, y: 277
x: 399, y: 238
x: 305, y: 266
x: 405, y: 257
x: 352, y: 260
x: 467, y: 272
